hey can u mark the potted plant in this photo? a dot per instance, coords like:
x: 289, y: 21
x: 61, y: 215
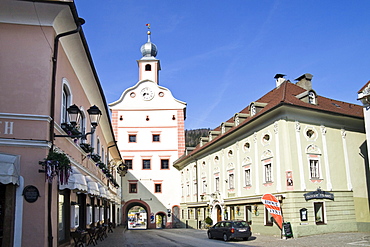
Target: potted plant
x: 69, y: 129
x: 57, y: 164
x: 95, y: 157
x: 208, y: 221
x: 86, y: 147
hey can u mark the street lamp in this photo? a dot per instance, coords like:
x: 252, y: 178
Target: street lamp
x: 74, y: 114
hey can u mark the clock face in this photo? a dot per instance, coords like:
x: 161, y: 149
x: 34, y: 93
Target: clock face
x: 147, y: 93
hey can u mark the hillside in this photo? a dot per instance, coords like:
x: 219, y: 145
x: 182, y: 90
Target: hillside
x: 192, y: 136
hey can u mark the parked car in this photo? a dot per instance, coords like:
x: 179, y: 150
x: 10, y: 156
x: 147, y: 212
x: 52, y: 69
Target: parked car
x: 230, y: 229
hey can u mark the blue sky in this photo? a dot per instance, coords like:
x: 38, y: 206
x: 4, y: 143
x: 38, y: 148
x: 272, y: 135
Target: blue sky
x: 218, y: 56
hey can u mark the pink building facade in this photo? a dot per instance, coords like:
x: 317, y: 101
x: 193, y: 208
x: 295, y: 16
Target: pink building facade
x: 45, y: 67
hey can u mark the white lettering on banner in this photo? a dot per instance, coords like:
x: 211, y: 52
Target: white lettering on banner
x: 274, y: 211
x: 276, y: 204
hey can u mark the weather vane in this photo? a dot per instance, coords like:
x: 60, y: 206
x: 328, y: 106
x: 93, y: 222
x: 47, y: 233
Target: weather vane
x: 148, y: 25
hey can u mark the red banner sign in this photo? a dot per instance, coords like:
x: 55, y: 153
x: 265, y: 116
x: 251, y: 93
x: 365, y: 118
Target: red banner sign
x: 273, y: 206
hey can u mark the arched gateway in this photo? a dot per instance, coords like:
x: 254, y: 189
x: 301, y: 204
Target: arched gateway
x: 132, y: 203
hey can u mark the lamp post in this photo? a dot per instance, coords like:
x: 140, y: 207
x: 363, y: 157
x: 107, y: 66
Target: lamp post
x: 74, y: 114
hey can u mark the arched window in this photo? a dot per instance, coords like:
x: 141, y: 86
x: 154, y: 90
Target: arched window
x: 148, y: 67
x: 66, y: 101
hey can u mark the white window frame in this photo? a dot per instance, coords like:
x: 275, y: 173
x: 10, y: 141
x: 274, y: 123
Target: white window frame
x: 247, y: 177
x: 267, y: 172
x: 231, y: 181
x: 66, y: 101
x: 217, y: 183
x: 317, y: 169
x: 204, y: 183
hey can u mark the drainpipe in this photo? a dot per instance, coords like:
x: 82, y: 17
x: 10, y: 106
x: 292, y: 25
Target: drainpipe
x: 52, y: 113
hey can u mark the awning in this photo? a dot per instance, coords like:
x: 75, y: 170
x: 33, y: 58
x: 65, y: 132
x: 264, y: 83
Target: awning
x: 76, y: 181
x: 92, y: 187
x: 103, y: 191
x: 9, y: 169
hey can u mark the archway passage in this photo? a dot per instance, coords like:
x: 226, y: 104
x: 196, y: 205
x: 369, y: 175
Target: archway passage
x: 160, y: 220
x: 137, y: 218
x: 136, y: 215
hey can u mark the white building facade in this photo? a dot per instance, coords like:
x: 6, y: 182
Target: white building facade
x: 149, y: 127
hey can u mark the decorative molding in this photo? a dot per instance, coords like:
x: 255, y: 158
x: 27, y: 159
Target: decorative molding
x: 297, y: 126
x: 25, y: 117
x: 24, y: 143
x: 276, y: 127
x: 323, y: 129
x: 313, y: 149
x: 267, y: 155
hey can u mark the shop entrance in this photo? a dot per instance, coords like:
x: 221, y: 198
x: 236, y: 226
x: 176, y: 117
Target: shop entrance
x: 218, y: 208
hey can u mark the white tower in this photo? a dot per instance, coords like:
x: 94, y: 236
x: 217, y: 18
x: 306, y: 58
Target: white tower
x: 149, y: 126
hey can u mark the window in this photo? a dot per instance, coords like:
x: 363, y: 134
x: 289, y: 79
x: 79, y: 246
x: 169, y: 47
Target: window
x: 133, y: 188
x: 165, y: 164
x: 217, y: 184
x: 66, y: 102
x: 146, y: 164
x: 158, y: 188
x: 131, y: 138
x: 98, y: 146
x: 268, y: 173
x: 268, y: 218
x: 204, y: 186
x: 247, y: 177
x: 82, y: 123
x: 128, y: 163
x: 188, y: 190
x: 156, y: 138
x: 231, y: 181
x: 311, y: 98
x: 319, y: 213
x: 314, y: 169
x: 148, y: 67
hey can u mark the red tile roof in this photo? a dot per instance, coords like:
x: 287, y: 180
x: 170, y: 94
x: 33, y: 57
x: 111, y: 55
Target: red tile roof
x: 286, y: 94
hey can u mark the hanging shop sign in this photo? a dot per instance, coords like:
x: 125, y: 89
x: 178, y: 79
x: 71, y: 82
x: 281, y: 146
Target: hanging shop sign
x: 319, y: 194
x: 273, y: 206
x: 31, y: 193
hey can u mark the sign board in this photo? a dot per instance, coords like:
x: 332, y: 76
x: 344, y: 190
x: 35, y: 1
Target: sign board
x: 31, y: 193
x: 273, y: 206
x: 318, y: 194
x: 288, y: 230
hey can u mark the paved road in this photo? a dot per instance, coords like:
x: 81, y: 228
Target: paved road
x: 198, y: 238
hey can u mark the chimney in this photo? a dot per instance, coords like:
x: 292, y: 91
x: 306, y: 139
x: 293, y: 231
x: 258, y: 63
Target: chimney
x: 279, y: 79
x: 304, y: 81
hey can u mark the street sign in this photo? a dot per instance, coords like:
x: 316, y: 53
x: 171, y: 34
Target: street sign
x: 273, y: 206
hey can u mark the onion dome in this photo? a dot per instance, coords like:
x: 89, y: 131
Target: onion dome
x: 149, y: 49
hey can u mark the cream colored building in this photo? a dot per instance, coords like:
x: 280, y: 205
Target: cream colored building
x: 149, y: 125
x: 46, y: 67
x: 307, y: 150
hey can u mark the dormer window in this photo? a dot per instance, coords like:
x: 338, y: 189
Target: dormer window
x: 312, y: 98
x: 148, y: 67
x: 253, y: 110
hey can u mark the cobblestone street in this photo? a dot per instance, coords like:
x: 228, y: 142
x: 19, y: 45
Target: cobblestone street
x: 191, y: 237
